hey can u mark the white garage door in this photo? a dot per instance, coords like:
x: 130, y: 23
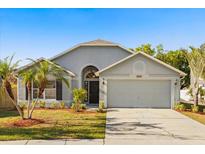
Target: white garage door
x: 139, y: 93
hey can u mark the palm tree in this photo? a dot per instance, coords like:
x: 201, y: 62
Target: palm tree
x: 43, y: 69
x: 7, y: 68
x: 196, y: 59
x: 28, y: 77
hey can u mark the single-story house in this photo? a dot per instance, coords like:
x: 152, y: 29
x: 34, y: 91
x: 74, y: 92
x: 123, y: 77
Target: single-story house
x: 113, y: 74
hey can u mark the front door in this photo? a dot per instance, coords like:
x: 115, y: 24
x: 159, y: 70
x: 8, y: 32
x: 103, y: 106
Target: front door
x: 94, y: 92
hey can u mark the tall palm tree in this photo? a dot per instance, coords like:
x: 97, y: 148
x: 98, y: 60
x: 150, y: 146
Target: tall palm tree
x: 43, y: 69
x: 7, y: 68
x: 28, y: 77
x: 196, y: 59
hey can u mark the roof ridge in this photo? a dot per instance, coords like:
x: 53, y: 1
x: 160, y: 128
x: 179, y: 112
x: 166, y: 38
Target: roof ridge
x: 98, y: 41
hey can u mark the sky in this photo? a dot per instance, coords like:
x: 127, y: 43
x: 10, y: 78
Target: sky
x: 35, y: 33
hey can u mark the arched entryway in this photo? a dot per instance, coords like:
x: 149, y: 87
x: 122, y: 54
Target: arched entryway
x: 90, y: 82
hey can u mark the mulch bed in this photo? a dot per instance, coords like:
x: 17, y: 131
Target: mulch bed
x: 26, y: 122
x: 202, y: 113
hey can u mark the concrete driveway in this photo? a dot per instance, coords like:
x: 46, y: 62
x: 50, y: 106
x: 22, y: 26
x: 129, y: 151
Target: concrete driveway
x: 152, y: 126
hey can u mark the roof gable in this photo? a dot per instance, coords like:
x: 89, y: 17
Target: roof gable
x: 41, y: 60
x: 97, y: 42
x: 145, y: 55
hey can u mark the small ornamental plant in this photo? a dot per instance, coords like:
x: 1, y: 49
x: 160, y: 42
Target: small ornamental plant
x: 101, y: 106
x: 23, y: 105
x: 42, y: 104
x: 195, y: 108
x: 62, y: 105
x: 79, y: 96
x: 53, y: 105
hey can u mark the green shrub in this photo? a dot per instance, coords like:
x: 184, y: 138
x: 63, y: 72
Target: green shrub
x: 204, y: 110
x: 83, y: 106
x: 76, y: 107
x: 23, y: 105
x: 42, y: 104
x: 176, y: 106
x: 101, y: 106
x: 194, y: 108
x: 53, y: 105
x: 62, y: 105
x: 180, y: 107
x: 79, y: 96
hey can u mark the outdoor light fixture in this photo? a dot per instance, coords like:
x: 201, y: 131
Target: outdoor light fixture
x: 103, y: 81
x: 175, y: 82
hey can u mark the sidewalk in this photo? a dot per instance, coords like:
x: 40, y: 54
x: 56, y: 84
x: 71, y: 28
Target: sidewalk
x: 55, y: 142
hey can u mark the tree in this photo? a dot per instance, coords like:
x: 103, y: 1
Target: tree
x: 177, y: 59
x: 43, y: 69
x: 196, y: 59
x: 146, y: 48
x: 28, y: 77
x: 7, y: 69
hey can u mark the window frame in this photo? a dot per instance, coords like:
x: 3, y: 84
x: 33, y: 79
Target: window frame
x: 44, y: 93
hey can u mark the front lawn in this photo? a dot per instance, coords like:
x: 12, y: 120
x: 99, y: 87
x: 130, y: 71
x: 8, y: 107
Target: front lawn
x: 58, y: 124
x: 196, y: 116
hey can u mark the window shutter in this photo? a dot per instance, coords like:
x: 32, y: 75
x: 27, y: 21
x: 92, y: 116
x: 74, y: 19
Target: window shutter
x: 26, y: 92
x: 58, y: 90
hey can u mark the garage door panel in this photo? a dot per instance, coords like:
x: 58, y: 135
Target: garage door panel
x: 139, y: 93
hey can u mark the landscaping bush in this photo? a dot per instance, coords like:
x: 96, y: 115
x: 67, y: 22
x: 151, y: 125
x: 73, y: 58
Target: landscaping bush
x: 101, y: 106
x: 42, y: 104
x: 54, y: 105
x: 23, y: 105
x: 76, y: 107
x: 194, y: 108
x: 203, y: 110
x: 180, y: 107
x: 79, y: 96
x: 83, y: 106
x: 62, y: 105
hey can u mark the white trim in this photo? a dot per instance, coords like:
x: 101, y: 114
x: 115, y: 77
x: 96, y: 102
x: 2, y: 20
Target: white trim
x: 172, y: 93
x: 44, y: 93
x: 135, y: 78
x: 146, y: 55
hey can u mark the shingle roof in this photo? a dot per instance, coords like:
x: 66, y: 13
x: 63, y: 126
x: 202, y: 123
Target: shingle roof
x: 98, y: 42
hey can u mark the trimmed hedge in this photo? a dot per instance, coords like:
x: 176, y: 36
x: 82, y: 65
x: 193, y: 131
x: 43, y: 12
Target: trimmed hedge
x: 188, y: 106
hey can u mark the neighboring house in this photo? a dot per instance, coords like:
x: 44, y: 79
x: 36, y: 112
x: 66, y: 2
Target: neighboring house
x: 113, y: 74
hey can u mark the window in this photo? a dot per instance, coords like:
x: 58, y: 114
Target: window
x: 49, y: 92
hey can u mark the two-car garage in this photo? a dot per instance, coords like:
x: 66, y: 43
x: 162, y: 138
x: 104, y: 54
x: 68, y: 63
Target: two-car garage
x: 140, y: 81
x: 139, y: 93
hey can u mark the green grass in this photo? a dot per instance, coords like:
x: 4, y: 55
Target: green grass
x: 59, y: 124
x: 195, y: 116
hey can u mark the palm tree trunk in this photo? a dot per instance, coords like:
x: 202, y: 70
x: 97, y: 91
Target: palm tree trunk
x: 32, y: 109
x: 29, y: 99
x: 29, y: 104
x: 197, y: 98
